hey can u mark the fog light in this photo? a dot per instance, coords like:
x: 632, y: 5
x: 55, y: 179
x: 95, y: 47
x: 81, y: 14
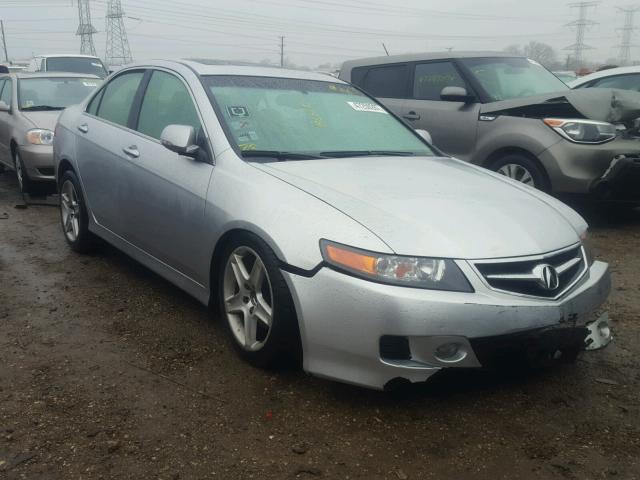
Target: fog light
x: 450, y: 352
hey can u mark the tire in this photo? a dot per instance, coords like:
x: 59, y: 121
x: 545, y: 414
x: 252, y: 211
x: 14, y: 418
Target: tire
x: 262, y: 298
x: 522, y: 169
x: 74, y: 217
x: 24, y: 182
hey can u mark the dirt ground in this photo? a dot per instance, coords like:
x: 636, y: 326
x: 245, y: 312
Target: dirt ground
x: 109, y: 372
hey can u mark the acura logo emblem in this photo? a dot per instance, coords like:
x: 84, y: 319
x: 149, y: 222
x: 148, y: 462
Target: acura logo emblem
x: 547, y: 277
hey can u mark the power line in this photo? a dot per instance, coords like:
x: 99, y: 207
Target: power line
x: 118, y: 50
x: 85, y: 29
x: 624, y: 57
x: 581, y: 25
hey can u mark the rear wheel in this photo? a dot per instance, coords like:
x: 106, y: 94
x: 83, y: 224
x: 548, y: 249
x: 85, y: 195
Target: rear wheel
x: 257, y: 305
x: 74, y: 216
x: 521, y: 169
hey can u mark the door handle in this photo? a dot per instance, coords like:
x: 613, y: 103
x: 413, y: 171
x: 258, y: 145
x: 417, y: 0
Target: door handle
x: 84, y: 128
x: 411, y: 116
x: 131, y: 151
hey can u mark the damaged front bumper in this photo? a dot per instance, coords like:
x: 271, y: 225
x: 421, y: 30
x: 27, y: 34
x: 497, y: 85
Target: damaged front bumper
x: 371, y: 334
x: 621, y: 181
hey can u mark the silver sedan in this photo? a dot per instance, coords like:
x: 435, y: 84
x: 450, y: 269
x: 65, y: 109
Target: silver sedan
x: 325, y: 229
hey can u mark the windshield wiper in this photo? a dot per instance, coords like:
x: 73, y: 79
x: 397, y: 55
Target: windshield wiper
x: 41, y: 108
x: 280, y: 156
x: 366, y: 153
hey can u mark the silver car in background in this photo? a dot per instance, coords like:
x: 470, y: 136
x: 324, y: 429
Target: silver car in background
x: 323, y: 227
x: 29, y: 108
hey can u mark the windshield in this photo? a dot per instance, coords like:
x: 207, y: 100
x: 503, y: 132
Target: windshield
x: 505, y: 78
x: 53, y: 93
x: 91, y: 66
x: 307, y: 119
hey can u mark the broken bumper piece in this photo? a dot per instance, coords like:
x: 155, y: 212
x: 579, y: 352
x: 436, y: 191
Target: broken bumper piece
x: 621, y: 181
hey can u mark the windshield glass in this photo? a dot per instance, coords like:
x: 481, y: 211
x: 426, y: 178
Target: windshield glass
x: 91, y: 66
x: 53, y: 93
x: 307, y: 117
x: 505, y: 78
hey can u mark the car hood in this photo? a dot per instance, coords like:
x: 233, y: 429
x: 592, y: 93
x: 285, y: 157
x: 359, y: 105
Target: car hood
x: 437, y: 207
x: 46, y: 120
x: 604, y: 104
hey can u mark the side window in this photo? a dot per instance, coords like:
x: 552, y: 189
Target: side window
x: 92, y: 109
x: 624, y: 82
x: 358, y: 74
x: 166, y: 102
x: 118, y: 97
x: 6, y: 92
x: 388, y: 81
x: 431, y: 78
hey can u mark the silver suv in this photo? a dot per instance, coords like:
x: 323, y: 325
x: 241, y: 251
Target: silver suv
x: 513, y: 116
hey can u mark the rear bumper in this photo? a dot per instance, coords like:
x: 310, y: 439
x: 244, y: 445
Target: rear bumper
x: 620, y: 182
x: 38, y: 161
x: 347, y: 325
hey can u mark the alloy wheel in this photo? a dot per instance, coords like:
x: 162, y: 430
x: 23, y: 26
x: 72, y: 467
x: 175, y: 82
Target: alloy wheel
x: 517, y: 172
x: 70, y: 209
x: 248, y: 298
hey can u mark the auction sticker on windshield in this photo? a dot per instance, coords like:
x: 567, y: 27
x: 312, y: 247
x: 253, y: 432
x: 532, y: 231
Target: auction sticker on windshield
x: 367, y: 107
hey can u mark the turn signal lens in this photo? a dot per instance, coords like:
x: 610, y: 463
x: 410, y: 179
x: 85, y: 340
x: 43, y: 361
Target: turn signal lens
x: 417, y: 272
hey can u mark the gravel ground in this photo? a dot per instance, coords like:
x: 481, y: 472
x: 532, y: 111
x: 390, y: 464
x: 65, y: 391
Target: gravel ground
x: 107, y: 372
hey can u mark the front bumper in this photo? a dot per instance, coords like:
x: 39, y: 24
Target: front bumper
x: 345, y: 322
x: 38, y: 161
x: 575, y: 168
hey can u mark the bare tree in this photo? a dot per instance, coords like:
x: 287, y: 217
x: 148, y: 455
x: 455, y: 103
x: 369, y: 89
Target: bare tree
x: 541, y: 53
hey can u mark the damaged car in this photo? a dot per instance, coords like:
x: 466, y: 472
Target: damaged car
x: 322, y: 228
x: 513, y: 116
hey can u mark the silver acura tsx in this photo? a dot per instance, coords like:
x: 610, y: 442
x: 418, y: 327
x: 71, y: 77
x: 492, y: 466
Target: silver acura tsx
x: 324, y: 228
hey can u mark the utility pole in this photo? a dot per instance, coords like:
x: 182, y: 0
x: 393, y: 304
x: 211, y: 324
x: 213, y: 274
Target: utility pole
x: 581, y: 25
x: 4, y: 41
x: 85, y: 29
x: 118, y: 50
x: 629, y: 28
x: 281, y: 52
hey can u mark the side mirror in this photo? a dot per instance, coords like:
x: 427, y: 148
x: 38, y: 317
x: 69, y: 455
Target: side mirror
x: 180, y: 139
x: 456, y: 94
x: 425, y: 135
x: 4, y: 107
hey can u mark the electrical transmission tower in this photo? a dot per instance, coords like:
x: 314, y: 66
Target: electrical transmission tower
x: 118, y: 50
x: 85, y: 29
x: 581, y: 25
x: 627, y: 34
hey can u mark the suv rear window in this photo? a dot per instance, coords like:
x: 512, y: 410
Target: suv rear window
x: 387, y: 81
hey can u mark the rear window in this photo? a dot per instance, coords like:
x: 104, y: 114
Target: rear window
x: 92, y: 66
x: 387, y: 81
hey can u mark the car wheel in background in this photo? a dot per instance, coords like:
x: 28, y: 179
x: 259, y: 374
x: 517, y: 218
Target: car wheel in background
x: 522, y: 169
x: 73, y: 215
x: 24, y: 182
x: 257, y: 305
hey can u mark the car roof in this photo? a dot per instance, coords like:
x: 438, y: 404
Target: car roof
x: 52, y: 75
x: 418, y: 57
x: 65, y: 55
x: 610, y: 72
x: 223, y: 67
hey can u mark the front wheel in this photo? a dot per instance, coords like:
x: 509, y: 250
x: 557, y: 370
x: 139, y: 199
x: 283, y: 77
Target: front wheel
x: 24, y: 182
x: 521, y: 169
x: 257, y: 305
x: 74, y: 216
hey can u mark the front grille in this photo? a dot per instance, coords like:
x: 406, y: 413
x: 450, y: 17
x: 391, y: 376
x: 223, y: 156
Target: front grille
x: 531, y: 276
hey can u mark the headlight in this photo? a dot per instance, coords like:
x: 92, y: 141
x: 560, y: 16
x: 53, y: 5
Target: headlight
x: 588, y: 248
x: 40, y: 136
x: 583, y: 131
x: 416, y: 272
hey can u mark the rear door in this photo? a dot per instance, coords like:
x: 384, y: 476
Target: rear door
x: 388, y: 83
x: 452, y: 125
x: 103, y: 133
x: 166, y: 193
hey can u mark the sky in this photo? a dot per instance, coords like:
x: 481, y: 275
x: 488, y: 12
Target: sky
x: 316, y: 32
